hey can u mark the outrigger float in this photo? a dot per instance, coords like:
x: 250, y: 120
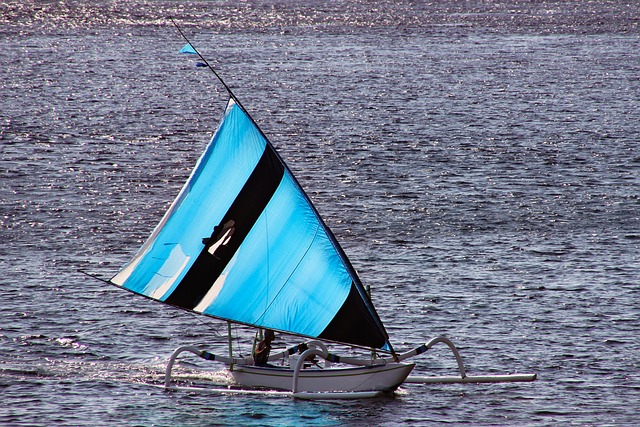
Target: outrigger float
x: 243, y: 243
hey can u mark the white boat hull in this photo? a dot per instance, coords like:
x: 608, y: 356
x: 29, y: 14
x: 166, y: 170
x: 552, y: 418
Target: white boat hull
x: 367, y: 378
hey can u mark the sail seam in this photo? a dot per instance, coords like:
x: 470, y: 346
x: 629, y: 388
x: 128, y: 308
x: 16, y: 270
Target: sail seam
x: 290, y: 275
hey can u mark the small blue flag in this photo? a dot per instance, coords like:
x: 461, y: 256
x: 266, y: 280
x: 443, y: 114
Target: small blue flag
x: 188, y: 49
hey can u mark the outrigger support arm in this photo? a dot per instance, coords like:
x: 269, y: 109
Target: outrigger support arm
x: 230, y: 360
x: 463, y: 378
x: 205, y: 355
x: 400, y: 357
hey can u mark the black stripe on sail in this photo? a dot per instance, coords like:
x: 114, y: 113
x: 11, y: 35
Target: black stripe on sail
x: 230, y: 233
x: 354, y: 324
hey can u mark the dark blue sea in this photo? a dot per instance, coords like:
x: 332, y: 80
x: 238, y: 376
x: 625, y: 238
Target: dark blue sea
x: 479, y: 162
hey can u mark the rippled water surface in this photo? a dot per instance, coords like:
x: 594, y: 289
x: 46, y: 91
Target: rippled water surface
x: 478, y: 161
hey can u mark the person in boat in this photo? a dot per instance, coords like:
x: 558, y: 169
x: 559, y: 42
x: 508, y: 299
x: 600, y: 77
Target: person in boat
x: 261, y: 356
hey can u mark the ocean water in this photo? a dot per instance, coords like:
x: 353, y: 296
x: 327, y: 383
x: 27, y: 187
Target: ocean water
x: 478, y: 161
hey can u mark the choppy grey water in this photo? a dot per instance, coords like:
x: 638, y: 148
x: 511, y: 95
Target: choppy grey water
x: 478, y: 161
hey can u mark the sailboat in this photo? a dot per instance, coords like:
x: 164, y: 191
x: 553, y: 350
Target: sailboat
x: 243, y: 243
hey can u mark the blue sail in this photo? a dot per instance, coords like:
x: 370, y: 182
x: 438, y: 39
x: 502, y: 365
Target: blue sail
x: 242, y: 242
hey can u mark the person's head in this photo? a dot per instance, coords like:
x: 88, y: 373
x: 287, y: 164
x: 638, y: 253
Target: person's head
x: 269, y: 335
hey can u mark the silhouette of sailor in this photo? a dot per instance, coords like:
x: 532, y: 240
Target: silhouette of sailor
x: 216, y: 245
